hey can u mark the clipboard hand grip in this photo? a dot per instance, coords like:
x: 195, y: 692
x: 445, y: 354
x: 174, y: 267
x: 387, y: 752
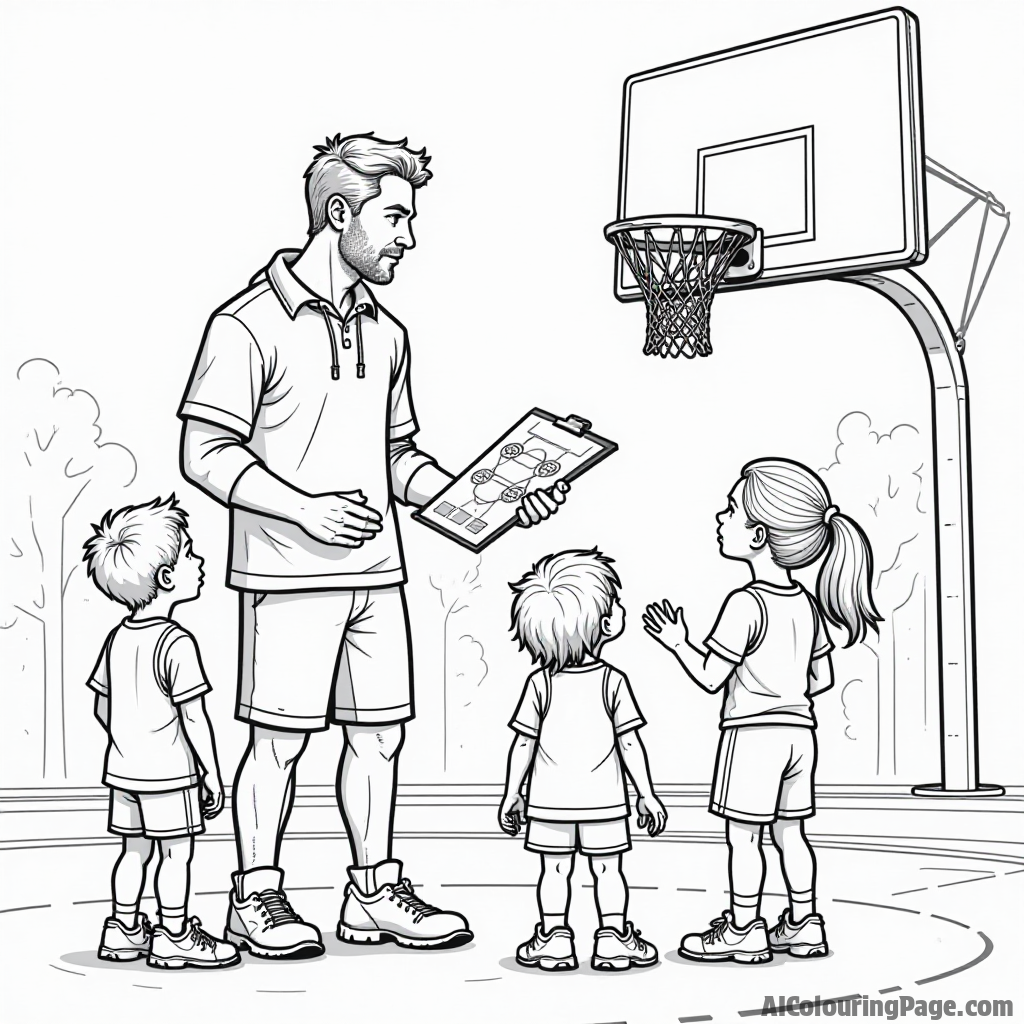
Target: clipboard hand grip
x: 574, y: 424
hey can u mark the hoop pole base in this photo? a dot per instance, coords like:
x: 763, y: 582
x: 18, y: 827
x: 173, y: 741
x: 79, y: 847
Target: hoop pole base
x: 937, y: 789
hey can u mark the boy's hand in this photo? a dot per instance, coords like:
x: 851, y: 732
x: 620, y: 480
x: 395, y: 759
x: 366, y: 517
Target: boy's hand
x: 543, y: 504
x: 511, y: 814
x: 213, y: 796
x: 343, y: 519
x: 651, y: 815
x: 666, y: 624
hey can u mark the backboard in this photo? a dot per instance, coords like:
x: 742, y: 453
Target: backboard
x: 816, y: 137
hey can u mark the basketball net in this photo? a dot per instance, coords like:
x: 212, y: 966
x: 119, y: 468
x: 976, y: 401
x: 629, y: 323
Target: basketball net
x: 679, y: 262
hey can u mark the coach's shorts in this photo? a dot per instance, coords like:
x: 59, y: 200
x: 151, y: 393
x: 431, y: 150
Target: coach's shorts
x: 156, y: 815
x: 764, y: 772
x: 324, y: 655
x: 594, y: 838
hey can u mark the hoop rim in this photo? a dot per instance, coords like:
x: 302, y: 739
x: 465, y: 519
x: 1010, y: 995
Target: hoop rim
x: 674, y: 220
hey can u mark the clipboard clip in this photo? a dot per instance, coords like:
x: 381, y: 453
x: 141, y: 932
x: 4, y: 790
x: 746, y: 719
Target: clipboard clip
x: 574, y: 424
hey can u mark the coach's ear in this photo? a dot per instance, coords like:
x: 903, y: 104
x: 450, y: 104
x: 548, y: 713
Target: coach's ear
x: 164, y: 578
x: 339, y: 213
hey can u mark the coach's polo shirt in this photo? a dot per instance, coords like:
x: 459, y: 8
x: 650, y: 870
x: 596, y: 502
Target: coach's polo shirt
x: 266, y: 371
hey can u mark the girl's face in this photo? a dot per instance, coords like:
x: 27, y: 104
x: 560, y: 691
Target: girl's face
x: 735, y: 538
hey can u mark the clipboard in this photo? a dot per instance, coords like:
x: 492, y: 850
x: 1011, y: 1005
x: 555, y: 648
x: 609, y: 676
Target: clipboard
x: 540, y: 450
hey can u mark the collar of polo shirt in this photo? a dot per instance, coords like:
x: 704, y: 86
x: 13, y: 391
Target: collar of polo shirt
x: 293, y: 294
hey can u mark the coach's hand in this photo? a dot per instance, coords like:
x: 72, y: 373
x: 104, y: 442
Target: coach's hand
x: 542, y: 504
x: 343, y: 519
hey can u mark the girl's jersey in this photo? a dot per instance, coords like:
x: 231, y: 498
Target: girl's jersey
x: 771, y: 634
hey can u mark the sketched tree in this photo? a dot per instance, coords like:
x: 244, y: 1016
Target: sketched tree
x: 463, y: 668
x: 877, y: 479
x: 53, y: 453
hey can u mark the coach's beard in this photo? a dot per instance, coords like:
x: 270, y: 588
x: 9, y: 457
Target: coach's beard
x: 355, y: 249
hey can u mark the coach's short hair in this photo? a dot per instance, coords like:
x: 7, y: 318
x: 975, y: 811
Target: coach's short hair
x: 352, y: 168
x: 559, y: 605
x: 131, y: 545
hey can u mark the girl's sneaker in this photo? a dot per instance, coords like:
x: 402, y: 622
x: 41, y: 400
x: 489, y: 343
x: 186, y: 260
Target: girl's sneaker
x: 806, y: 938
x: 619, y: 951
x: 120, y: 943
x: 192, y: 948
x: 724, y: 941
x: 552, y: 951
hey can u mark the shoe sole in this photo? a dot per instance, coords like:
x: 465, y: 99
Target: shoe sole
x: 619, y: 963
x: 180, y: 963
x: 739, y: 958
x: 122, y: 955
x: 303, y: 951
x: 804, y: 952
x: 366, y: 936
x: 548, y: 963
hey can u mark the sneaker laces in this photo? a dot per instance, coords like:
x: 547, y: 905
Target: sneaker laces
x: 201, y: 938
x: 278, y: 908
x: 404, y: 895
x: 716, y: 931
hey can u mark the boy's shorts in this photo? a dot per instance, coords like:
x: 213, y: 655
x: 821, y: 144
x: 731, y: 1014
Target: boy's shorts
x: 324, y: 655
x: 594, y: 838
x: 156, y: 815
x: 764, y: 772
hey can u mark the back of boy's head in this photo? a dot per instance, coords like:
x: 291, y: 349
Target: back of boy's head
x: 131, y: 545
x: 559, y: 605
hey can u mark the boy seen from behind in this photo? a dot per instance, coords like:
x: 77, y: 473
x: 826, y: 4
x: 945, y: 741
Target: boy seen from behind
x: 576, y: 727
x: 149, y: 684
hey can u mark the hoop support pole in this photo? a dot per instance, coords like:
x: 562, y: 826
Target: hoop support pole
x: 951, y: 475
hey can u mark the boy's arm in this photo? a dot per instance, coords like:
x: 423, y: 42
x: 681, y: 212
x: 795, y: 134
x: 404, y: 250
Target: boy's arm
x: 196, y: 723
x: 652, y: 814
x: 821, y: 675
x: 513, y: 806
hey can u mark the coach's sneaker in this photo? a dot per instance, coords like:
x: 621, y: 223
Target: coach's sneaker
x: 394, y: 913
x: 619, y: 951
x: 120, y: 943
x: 192, y: 948
x: 261, y: 920
x: 551, y: 951
x: 806, y: 938
x: 724, y: 941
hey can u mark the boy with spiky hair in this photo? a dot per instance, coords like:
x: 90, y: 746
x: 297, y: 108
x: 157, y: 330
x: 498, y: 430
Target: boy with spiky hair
x: 576, y: 727
x: 149, y: 684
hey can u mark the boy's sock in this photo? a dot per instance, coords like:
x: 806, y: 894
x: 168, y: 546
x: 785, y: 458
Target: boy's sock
x: 127, y: 914
x: 616, y: 921
x: 745, y: 909
x: 549, y: 921
x: 800, y: 905
x: 173, y: 919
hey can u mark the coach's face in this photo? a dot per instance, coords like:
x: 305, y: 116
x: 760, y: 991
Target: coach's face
x: 373, y: 242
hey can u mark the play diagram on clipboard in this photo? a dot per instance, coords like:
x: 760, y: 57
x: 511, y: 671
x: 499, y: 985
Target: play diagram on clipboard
x: 539, y: 451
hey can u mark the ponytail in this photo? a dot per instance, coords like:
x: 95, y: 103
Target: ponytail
x: 794, y: 506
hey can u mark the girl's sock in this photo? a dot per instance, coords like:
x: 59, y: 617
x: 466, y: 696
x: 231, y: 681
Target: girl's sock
x: 616, y: 921
x: 127, y: 914
x: 745, y: 909
x: 800, y: 905
x: 549, y: 921
x: 173, y: 919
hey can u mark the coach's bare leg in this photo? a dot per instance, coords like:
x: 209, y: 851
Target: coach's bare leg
x: 798, y: 866
x: 366, y: 789
x: 746, y: 870
x: 263, y: 794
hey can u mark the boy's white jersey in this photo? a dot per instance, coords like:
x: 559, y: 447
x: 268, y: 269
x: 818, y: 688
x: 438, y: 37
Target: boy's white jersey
x: 772, y: 634
x: 576, y: 716
x: 147, y: 668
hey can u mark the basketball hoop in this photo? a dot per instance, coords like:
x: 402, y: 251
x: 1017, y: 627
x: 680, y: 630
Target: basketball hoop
x: 679, y: 262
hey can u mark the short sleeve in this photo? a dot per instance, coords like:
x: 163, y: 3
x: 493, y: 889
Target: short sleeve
x: 99, y: 681
x: 402, y: 417
x: 227, y: 379
x: 530, y: 712
x: 738, y: 627
x: 625, y: 715
x: 822, y: 641
x: 182, y: 672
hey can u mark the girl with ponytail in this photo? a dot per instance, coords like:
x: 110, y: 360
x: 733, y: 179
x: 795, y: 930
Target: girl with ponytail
x: 770, y: 649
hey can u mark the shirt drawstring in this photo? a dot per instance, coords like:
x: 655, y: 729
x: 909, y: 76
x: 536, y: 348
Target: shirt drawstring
x: 335, y: 367
x: 360, y: 365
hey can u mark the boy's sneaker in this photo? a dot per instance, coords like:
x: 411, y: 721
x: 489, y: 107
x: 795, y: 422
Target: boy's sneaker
x: 805, y: 938
x: 262, y: 921
x: 120, y: 943
x: 724, y: 941
x: 619, y: 951
x: 552, y: 951
x: 192, y: 948
x: 394, y: 913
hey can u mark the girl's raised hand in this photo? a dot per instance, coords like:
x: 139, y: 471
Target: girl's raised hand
x: 666, y: 624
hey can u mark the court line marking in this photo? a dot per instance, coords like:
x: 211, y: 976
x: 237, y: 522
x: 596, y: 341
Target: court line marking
x: 884, y: 906
x: 37, y: 906
x: 81, y: 974
x: 984, y: 954
x: 892, y: 988
x: 483, y: 979
x: 964, y: 881
x: 903, y: 892
x: 694, y: 1020
x: 817, y: 1003
x: 939, y: 917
